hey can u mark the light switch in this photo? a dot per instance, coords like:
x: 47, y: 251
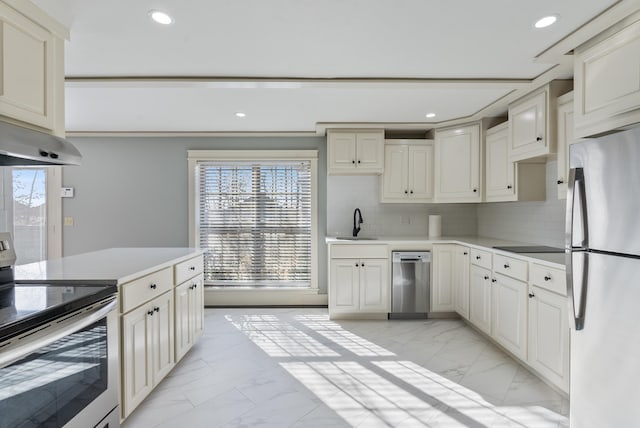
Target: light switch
x: 66, y: 192
x: 68, y: 221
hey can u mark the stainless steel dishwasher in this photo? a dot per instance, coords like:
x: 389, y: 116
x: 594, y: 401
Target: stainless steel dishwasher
x: 410, y: 282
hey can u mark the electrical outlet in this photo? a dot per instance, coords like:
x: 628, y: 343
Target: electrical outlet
x: 68, y: 221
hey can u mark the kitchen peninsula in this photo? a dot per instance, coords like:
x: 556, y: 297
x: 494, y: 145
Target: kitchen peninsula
x: 161, y: 308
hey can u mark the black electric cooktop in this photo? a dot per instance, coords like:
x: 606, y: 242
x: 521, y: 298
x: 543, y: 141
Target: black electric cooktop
x: 530, y: 249
x: 26, y: 306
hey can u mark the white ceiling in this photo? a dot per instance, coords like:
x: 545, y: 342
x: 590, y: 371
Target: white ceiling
x: 292, y: 64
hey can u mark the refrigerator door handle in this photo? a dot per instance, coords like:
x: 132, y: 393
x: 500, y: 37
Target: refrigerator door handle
x: 577, y: 308
x: 576, y: 188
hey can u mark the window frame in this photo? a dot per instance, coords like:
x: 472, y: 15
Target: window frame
x: 194, y: 156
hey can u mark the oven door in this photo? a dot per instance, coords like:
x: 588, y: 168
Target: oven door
x: 63, y: 374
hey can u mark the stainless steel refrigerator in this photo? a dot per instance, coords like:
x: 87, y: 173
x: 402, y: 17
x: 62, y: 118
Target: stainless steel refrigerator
x: 603, y: 280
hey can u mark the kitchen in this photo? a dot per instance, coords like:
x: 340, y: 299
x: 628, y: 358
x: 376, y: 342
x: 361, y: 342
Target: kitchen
x: 131, y: 188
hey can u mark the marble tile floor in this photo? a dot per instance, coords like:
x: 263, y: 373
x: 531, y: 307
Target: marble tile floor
x: 296, y: 368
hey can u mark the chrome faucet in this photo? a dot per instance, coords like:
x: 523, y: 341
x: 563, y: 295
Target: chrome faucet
x: 356, y: 224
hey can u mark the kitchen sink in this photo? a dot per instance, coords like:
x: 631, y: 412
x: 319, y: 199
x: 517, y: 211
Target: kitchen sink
x: 356, y: 238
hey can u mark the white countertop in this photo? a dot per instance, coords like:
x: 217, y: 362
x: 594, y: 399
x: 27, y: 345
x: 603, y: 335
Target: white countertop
x: 113, y: 265
x: 557, y: 259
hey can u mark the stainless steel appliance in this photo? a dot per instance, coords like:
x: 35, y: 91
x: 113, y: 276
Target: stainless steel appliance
x: 603, y: 271
x: 410, y: 283
x: 58, y: 352
x: 22, y: 146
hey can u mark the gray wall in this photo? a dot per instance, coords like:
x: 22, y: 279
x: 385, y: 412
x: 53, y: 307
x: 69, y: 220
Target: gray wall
x: 132, y: 192
x: 535, y: 222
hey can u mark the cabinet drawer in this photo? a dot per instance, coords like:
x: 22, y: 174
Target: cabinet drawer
x: 509, y: 266
x: 366, y: 251
x: 549, y: 278
x: 189, y: 269
x: 481, y: 258
x: 141, y: 290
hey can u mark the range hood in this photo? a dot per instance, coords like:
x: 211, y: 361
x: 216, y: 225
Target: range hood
x: 24, y: 147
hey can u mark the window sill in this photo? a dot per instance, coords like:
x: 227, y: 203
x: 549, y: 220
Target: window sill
x: 258, y: 296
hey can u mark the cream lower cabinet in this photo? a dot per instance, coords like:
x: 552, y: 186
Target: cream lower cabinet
x: 549, y: 333
x: 147, y: 349
x: 358, y: 285
x: 480, y: 298
x: 509, y: 309
x: 458, y: 164
x: 159, y: 323
x: 450, y: 279
x: 189, y: 299
x: 408, y: 171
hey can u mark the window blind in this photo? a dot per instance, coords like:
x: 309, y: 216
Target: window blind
x: 254, y: 222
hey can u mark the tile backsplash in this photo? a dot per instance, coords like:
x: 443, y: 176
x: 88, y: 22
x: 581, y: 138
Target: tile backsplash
x: 533, y: 222
x: 346, y: 193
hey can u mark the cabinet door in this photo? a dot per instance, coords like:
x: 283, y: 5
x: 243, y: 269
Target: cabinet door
x: 162, y: 336
x: 565, y: 138
x: 480, y: 298
x: 137, y: 357
x: 344, y: 291
x: 457, y: 165
x: 509, y: 321
x: 374, y: 285
x: 341, y: 151
x: 549, y: 336
x: 370, y: 151
x: 27, y: 65
x: 420, y: 173
x: 527, y: 127
x: 442, y: 280
x: 196, y: 307
x: 394, y: 178
x: 461, y: 280
x: 500, y: 170
x: 607, y: 82
x: 183, y: 337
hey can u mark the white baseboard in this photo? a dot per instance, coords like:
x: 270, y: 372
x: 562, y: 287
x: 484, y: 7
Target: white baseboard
x: 220, y: 296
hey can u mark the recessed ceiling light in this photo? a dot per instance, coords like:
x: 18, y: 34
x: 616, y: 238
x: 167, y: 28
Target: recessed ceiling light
x: 546, y: 21
x: 430, y: 115
x: 160, y: 17
x: 240, y: 114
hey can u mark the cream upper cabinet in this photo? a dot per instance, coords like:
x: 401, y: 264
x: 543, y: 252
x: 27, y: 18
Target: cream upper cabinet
x: 32, y: 67
x: 500, y: 171
x: 458, y: 164
x: 358, y: 279
x: 507, y: 180
x: 408, y: 171
x: 607, y: 80
x: 565, y: 138
x: 532, y: 122
x: 355, y: 151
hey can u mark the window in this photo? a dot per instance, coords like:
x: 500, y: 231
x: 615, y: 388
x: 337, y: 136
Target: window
x: 255, y: 217
x: 30, y: 213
